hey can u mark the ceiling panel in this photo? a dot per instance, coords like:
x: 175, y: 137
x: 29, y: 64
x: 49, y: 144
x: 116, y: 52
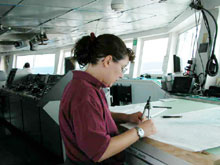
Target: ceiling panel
x: 85, y: 15
x: 57, y: 30
x: 159, y: 8
x: 136, y: 4
x: 98, y: 5
x: 126, y: 17
x: 58, y: 22
x: 9, y: 2
x: 179, y: 2
x: 4, y: 9
x: 59, y: 3
x: 90, y: 27
x: 22, y: 22
x: 17, y: 36
x: 38, y: 12
x: 142, y: 25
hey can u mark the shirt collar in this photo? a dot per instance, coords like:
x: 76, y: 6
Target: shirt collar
x: 88, y: 77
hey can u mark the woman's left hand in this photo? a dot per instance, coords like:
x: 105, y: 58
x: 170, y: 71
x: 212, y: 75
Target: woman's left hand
x: 136, y: 118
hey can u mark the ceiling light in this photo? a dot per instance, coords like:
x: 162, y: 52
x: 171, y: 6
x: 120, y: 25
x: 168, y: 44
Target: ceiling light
x: 117, y: 5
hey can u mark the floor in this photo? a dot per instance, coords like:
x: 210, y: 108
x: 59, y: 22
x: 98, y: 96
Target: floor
x: 17, y: 149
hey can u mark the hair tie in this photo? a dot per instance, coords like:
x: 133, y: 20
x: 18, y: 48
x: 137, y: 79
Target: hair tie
x: 93, y: 37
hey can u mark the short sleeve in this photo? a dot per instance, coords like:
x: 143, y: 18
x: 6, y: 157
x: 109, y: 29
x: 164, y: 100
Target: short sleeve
x: 90, y: 128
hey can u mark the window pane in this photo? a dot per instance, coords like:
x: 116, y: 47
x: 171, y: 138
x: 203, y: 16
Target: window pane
x: 42, y: 64
x: 67, y: 54
x: 153, y: 55
x: 77, y: 66
x: 186, y: 42
x: 21, y: 60
x: 128, y: 45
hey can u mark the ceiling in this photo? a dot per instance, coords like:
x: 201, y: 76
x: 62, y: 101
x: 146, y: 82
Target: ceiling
x: 64, y: 21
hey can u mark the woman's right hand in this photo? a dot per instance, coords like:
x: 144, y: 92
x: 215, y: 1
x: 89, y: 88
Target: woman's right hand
x: 148, y: 127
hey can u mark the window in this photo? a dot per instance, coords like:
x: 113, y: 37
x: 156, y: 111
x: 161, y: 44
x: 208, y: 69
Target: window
x: 21, y: 60
x: 187, y: 45
x: 42, y: 64
x: 67, y: 54
x: 128, y: 44
x: 153, y: 54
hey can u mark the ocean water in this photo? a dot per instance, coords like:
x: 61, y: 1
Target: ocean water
x: 151, y: 68
x: 43, y: 70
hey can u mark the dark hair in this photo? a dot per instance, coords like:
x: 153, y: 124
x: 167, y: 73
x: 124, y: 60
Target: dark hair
x: 90, y: 49
x: 26, y: 65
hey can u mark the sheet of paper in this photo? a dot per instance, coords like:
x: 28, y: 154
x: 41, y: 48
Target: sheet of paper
x: 132, y: 108
x: 195, y: 131
x: 168, y: 100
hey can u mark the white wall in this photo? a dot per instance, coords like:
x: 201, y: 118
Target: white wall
x: 210, y: 4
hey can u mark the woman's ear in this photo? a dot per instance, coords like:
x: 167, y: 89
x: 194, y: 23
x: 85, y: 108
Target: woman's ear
x: 107, y: 60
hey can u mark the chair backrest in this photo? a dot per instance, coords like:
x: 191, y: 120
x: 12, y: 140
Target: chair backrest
x: 3, y: 78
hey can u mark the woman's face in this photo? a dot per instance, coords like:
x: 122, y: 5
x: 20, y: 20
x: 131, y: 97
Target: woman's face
x: 115, y: 71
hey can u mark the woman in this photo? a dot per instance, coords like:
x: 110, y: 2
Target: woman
x: 87, y: 126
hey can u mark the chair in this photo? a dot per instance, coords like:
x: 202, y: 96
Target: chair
x: 3, y: 78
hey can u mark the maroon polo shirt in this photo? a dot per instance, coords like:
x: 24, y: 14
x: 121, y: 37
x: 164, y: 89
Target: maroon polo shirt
x: 86, y: 123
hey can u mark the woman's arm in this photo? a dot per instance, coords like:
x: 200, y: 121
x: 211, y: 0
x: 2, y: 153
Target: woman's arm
x: 119, y: 143
x: 119, y: 117
x: 122, y: 117
x: 124, y: 140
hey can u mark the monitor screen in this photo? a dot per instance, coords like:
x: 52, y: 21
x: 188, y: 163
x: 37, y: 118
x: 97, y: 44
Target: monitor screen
x: 176, y: 64
x: 69, y: 64
x: 11, y: 77
x: 182, y: 85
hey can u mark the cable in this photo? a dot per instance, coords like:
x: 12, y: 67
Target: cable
x: 212, y: 66
x: 212, y: 63
x: 207, y: 26
x: 216, y: 30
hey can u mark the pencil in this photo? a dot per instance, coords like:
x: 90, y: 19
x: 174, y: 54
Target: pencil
x: 147, y: 106
x: 167, y: 116
x: 162, y: 107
